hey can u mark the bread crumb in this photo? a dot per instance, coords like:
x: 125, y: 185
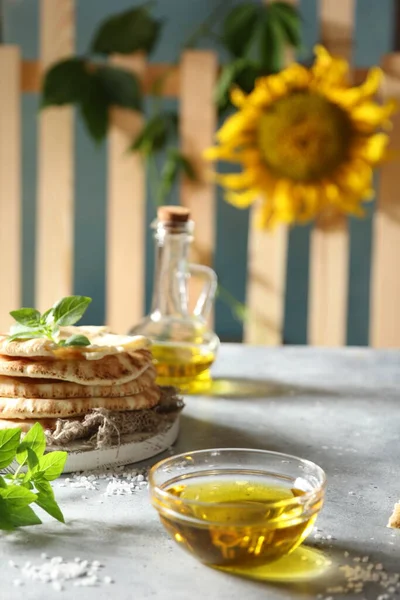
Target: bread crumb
x: 394, y: 519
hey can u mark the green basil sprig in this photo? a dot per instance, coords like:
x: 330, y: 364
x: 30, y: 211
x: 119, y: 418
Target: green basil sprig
x: 31, y: 324
x: 21, y: 489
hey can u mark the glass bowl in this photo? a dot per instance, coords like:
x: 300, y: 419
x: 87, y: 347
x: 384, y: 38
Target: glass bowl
x: 236, y: 507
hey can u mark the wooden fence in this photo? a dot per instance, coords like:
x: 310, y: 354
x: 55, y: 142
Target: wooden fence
x: 192, y: 82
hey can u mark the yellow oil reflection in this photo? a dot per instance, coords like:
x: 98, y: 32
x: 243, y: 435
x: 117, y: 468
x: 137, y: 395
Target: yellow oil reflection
x: 304, y: 563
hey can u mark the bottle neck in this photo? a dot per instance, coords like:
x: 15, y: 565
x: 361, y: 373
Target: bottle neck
x: 170, y: 291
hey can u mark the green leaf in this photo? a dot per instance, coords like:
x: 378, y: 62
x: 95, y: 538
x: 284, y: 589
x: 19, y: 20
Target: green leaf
x: 5, y: 519
x: 9, y: 442
x: 239, y: 26
x: 120, y: 87
x: 272, y: 45
x: 23, y: 517
x: 47, y: 317
x: 70, y: 309
x: 127, y: 32
x: 2, y: 483
x: 184, y: 165
x: 17, y: 496
x: 26, y: 334
x: 35, y: 441
x: 26, y: 316
x: 155, y: 133
x: 174, y: 163
x: 47, y: 502
x: 226, y: 80
x: 65, y: 83
x: 290, y: 22
x: 76, y: 340
x: 94, y: 108
x: 51, y: 465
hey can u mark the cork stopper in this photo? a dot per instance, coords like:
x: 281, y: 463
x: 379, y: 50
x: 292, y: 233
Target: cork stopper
x: 173, y: 214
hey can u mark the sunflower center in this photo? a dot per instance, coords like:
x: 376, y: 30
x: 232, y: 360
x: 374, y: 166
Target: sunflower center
x: 304, y: 136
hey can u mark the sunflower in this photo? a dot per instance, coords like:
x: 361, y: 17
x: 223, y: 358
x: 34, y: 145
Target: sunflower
x: 307, y: 142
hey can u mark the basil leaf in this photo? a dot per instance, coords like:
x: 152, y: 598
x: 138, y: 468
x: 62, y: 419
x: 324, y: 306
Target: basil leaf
x: 26, y: 335
x: 35, y: 441
x: 76, y: 340
x: 2, y: 483
x: 9, y: 442
x: 5, y: 520
x: 127, y: 32
x: 70, y: 309
x: 26, y: 316
x: 47, y: 317
x: 23, y: 517
x: 17, y: 496
x: 51, y: 465
x: 46, y: 501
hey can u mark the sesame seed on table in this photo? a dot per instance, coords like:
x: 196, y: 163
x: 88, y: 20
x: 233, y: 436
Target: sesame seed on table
x: 339, y: 408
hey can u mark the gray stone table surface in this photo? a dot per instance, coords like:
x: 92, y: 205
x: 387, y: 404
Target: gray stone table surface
x: 339, y: 408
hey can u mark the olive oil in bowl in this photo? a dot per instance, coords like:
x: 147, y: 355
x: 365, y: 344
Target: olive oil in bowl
x: 237, y: 509
x: 244, y: 520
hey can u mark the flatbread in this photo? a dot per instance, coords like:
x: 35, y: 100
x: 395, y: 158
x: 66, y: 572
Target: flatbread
x: 26, y: 424
x: 110, y: 370
x: 24, y: 387
x: 32, y: 408
x: 103, y: 343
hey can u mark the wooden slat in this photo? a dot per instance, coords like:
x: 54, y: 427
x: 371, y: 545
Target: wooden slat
x: 197, y: 127
x: 126, y: 201
x: 55, y: 209
x: 10, y: 186
x: 265, y: 294
x: 330, y: 248
x: 385, y: 279
x: 169, y: 74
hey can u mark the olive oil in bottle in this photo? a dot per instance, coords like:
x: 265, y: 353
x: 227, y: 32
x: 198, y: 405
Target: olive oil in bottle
x: 237, y: 522
x: 183, y: 345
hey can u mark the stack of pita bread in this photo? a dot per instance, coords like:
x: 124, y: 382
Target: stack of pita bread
x: 56, y: 386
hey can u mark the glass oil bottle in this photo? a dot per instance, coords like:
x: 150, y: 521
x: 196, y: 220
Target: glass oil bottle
x: 183, y: 346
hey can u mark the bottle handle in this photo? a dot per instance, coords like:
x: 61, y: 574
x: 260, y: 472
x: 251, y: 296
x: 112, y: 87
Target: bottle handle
x: 207, y: 295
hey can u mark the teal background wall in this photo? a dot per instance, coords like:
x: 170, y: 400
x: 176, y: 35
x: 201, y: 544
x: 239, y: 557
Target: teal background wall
x: 374, y: 33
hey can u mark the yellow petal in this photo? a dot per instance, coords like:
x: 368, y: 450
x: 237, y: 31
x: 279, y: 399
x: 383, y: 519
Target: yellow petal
x: 296, y: 76
x: 221, y: 153
x: 372, y: 149
x: 354, y: 177
x: 242, y: 199
x: 238, y: 124
x: 329, y: 71
x: 350, y: 97
x: 236, y: 181
x: 368, y: 115
x: 238, y: 97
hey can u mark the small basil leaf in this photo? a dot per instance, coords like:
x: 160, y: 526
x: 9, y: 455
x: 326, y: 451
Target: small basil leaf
x: 51, y: 465
x: 35, y: 441
x: 22, y: 517
x: 76, y: 340
x: 26, y: 335
x: 47, y: 317
x: 9, y: 442
x: 45, y: 499
x: 70, y: 309
x: 26, y: 316
x: 17, y: 496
